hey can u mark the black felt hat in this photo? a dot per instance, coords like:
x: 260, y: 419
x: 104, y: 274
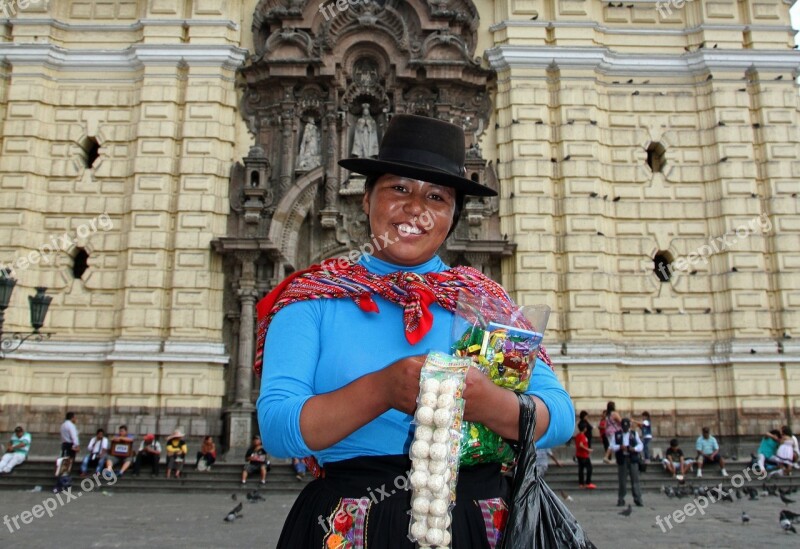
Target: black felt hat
x: 421, y: 148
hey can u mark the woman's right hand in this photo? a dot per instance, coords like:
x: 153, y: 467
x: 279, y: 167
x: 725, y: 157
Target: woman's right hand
x: 399, y: 382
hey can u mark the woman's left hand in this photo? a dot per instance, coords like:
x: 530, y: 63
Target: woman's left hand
x: 479, y: 394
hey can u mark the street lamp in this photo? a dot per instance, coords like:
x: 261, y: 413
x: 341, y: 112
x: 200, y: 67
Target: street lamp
x: 39, y: 303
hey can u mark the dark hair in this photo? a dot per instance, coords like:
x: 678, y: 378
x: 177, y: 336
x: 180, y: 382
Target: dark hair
x: 611, y: 407
x: 706, y: 430
x: 100, y: 431
x: 18, y: 428
x: 372, y: 179
x: 673, y: 442
x: 123, y: 427
x: 584, y: 413
x: 70, y: 415
x: 786, y: 430
x: 776, y: 432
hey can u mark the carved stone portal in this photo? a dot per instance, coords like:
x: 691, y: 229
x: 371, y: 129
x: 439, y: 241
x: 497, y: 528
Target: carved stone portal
x: 352, y: 70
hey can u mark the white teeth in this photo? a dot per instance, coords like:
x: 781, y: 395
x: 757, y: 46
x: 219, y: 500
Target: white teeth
x: 408, y: 229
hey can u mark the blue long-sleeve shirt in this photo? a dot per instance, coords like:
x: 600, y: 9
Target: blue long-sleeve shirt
x: 318, y: 346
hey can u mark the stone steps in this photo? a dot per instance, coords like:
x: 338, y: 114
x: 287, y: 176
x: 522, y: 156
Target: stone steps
x: 225, y: 477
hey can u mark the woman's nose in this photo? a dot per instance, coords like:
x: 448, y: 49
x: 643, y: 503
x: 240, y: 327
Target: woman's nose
x: 415, y: 204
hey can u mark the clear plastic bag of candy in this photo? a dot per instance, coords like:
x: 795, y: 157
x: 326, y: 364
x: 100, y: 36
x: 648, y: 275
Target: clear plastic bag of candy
x: 435, y: 449
x: 503, y: 339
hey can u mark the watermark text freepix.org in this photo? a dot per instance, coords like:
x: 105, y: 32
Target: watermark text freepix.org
x: 49, y: 505
x: 380, y: 242
x: 701, y: 503
x: 328, y: 12
x: 58, y: 243
x: 759, y: 224
x: 401, y: 483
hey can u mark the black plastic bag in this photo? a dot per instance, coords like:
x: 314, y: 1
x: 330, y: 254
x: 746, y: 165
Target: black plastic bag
x: 537, y: 518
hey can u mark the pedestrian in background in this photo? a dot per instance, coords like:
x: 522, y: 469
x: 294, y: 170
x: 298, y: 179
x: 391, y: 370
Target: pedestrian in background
x: 582, y: 453
x: 588, y: 426
x: 627, y: 446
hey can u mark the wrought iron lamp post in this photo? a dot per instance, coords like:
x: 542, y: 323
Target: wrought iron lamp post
x: 39, y: 303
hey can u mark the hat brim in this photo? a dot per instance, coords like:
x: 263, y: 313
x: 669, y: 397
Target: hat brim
x: 373, y: 166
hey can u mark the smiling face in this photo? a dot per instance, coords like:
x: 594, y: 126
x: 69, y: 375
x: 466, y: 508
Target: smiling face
x: 409, y: 218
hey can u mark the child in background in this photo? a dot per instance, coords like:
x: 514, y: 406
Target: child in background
x: 647, y: 434
x: 582, y: 452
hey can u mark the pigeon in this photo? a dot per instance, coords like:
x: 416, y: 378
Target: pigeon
x: 254, y: 496
x: 786, y: 500
x: 709, y: 77
x: 234, y: 513
x: 616, y: 199
x: 630, y: 81
x: 566, y: 496
x: 786, y: 524
x: 745, y: 518
x: 790, y: 516
x: 635, y: 93
x: 779, y: 77
x: 723, y: 159
x: 233, y: 497
x: 567, y: 157
x: 593, y: 194
x: 738, y: 494
x: 627, y: 512
x: 669, y: 491
x: 535, y: 17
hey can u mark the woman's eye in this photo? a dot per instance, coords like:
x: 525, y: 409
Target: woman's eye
x: 437, y: 197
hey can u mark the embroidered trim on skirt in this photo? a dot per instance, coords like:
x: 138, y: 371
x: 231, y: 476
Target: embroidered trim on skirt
x: 363, y: 503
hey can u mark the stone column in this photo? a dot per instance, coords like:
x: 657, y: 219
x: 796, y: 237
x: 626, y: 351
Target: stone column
x: 287, y: 149
x: 329, y: 213
x: 240, y: 413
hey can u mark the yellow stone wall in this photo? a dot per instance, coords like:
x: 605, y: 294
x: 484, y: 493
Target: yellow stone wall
x: 584, y: 88
x: 140, y: 336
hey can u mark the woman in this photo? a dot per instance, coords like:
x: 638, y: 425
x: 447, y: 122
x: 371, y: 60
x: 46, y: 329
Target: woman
x: 176, y: 453
x: 341, y: 374
x: 613, y: 424
x: 207, y: 455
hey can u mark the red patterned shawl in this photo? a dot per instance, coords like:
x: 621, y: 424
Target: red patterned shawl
x: 414, y: 292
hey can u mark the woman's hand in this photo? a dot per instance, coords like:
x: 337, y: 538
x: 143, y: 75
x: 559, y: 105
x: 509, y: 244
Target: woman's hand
x: 400, y: 383
x: 480, y: 393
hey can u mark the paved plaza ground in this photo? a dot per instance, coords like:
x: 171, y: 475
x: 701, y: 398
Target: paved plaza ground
x: 107, y: 519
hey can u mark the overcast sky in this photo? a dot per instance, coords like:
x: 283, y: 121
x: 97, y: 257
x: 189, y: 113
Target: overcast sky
x: 795, y: 11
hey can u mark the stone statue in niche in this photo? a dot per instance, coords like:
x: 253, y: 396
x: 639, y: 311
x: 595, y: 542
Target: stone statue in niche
x: 309, y: 157
x: 365, y: 138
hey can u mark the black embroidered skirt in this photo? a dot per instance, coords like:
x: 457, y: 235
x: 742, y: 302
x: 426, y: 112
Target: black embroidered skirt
x: 364, y: 503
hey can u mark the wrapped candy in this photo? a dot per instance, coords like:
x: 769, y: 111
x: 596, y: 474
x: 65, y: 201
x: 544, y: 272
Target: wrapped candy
x: 435, y: 449
x: 503, y: 340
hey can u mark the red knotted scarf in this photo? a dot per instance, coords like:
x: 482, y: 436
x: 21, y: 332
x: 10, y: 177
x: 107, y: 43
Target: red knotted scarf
x: 414, y: 292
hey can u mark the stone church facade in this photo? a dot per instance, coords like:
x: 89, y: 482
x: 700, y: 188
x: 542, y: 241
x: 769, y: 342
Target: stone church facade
x: 645, y: 156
